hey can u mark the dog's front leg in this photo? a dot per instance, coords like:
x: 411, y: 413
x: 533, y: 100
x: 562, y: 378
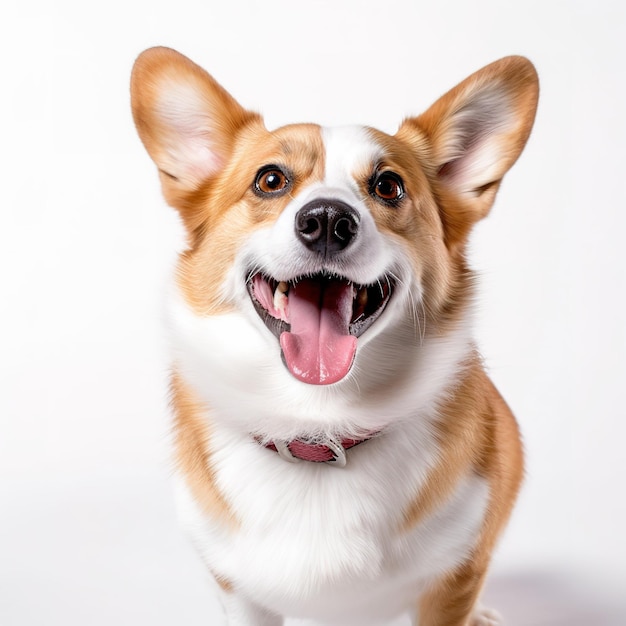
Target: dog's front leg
x: 240, y: 611
x: 453, y: 600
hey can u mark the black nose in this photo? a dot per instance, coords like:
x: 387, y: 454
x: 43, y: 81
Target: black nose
x: 326, y: 226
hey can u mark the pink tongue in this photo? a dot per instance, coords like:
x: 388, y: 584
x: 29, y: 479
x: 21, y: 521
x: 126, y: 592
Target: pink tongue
x: 319, y: 350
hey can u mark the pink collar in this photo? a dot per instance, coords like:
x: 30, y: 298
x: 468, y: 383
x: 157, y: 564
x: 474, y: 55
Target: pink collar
x: 329, y: 450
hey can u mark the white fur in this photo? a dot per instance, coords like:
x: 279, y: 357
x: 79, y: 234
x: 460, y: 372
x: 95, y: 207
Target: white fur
x: 314, y: 540
x: 325, y: 544
x: 348, y: 149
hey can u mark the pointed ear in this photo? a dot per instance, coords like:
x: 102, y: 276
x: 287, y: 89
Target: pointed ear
x: 475, y: 132
x: 186, y: 120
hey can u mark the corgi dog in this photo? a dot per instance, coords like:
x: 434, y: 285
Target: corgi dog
x: 341, y: 454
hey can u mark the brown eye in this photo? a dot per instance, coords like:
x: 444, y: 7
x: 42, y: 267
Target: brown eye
x: 271, y: 180
x: 388, y: 187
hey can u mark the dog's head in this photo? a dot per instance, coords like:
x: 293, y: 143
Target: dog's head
x: 324, y: 240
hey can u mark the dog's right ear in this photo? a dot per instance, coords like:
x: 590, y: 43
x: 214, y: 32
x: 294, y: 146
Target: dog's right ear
x: 476, y: 132
x: 186, y: 120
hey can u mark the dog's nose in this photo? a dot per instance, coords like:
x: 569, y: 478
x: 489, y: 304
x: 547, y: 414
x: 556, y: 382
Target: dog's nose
x: 326, y: 226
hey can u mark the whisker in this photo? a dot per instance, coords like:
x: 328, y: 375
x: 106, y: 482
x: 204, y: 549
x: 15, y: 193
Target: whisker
x: 416, y: 307
x: 252, y: 273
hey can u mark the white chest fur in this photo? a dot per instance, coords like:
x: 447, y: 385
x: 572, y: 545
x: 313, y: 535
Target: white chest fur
x: 326, y: 543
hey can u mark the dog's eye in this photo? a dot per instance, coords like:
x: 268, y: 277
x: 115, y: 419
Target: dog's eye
x: 271, y: 179
x: 388, y: 187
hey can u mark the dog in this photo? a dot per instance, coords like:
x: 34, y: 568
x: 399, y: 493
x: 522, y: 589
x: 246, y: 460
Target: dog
x: 341, y: 454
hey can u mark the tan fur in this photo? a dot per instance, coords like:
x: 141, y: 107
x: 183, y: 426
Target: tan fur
x: 192, y: 437
x: 477, y: 434
x: 202, y: 268
x: 452, y: 600
x: 225, y: 585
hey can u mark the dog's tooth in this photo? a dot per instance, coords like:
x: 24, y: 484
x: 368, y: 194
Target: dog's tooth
x: 280, y: 298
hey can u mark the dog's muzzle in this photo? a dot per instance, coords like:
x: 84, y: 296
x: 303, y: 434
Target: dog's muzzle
x: 319, y: 315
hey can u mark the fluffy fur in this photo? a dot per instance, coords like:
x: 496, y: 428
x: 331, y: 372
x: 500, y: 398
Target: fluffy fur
x: 410, y: 522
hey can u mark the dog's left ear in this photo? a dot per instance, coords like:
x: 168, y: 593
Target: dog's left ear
x: 186, y: 120
x: 475, y: 133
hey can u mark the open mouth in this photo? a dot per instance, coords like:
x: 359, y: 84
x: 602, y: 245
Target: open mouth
x: 317, y: 320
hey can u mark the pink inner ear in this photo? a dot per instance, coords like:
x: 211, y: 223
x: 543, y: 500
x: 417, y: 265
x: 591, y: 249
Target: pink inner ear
x: 472, y: 145
x: 200, y: 161
x: 482, y: 164
x: 190, y: 150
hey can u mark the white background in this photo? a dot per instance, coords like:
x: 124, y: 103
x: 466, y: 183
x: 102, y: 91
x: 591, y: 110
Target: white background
x: 87, y: 528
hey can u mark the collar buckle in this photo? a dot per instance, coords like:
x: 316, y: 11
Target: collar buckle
x: 282, y: 447
x: 339, y: 452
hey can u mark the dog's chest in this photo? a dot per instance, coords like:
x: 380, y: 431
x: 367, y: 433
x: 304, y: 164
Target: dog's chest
x: 325, y: 542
